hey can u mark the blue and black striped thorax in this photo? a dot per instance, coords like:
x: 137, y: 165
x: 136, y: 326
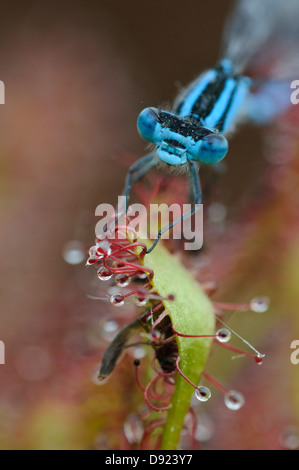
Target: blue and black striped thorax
x: 205, y: 110
x: 214, y: 99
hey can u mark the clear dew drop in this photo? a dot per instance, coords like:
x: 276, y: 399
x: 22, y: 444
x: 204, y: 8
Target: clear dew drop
x: 104, y: 274
x: 73, y: 252
x: 122, y: 280
x: 100, y: 250
x: 203, y: 393
x: 259, y: 304
x: 223, y: 335
x: 234, y: 400
x: 92, y: 251
x: 91, y: 260
x: 142, y: 276
x: 141, y: 301
x: 117, y: 300
x: 101, y: 253
x: 259, y: 359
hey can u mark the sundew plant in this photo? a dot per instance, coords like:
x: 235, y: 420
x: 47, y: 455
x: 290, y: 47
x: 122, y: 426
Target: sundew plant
x: 177, y: 322
x: 173, y: 324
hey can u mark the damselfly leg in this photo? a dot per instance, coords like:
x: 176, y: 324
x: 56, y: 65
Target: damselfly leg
x: 136, y: 172
x: 195, y: 189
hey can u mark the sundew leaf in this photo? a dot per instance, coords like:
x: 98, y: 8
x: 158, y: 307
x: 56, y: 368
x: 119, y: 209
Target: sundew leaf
x: 191, y: 312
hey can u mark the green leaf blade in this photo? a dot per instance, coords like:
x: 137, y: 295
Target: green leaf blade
x: 191, y: 313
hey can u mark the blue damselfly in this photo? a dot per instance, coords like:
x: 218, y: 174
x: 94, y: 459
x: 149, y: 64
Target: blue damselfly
x: 260, y: 34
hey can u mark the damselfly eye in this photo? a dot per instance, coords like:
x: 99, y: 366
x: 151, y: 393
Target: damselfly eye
x: 146, y: 123
x: 213, y: 148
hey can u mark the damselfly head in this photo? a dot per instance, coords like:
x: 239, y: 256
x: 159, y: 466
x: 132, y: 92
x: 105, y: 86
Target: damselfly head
x: 179, y: 139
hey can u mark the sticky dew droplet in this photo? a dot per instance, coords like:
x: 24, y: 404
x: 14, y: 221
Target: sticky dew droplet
x: 203, y: 393
x: 223, y: 335
x: 104, y: 274
x: 259, y: 304
x: 122, y: 280
x: 117, y: 300
x: 234, y: 400
x: 259, y: 359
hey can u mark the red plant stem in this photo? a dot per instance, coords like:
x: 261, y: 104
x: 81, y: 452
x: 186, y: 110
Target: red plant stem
x: 153, y: 425
x: 137, y: 267
x: 146, y: 396
x: 129, y: 247
x: 133, y: 267
x: 157, y: 307
x: 227, y: 306
x: 237, y: 350
x: 215, y: 382
x: 165, y: 341
x: 159, y: 319
x: 181, y: 373
x: 154, y: 397
x: 119, y: 270
x: 165, y: 394
x: 192, y: 336
x: 136, y: 291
